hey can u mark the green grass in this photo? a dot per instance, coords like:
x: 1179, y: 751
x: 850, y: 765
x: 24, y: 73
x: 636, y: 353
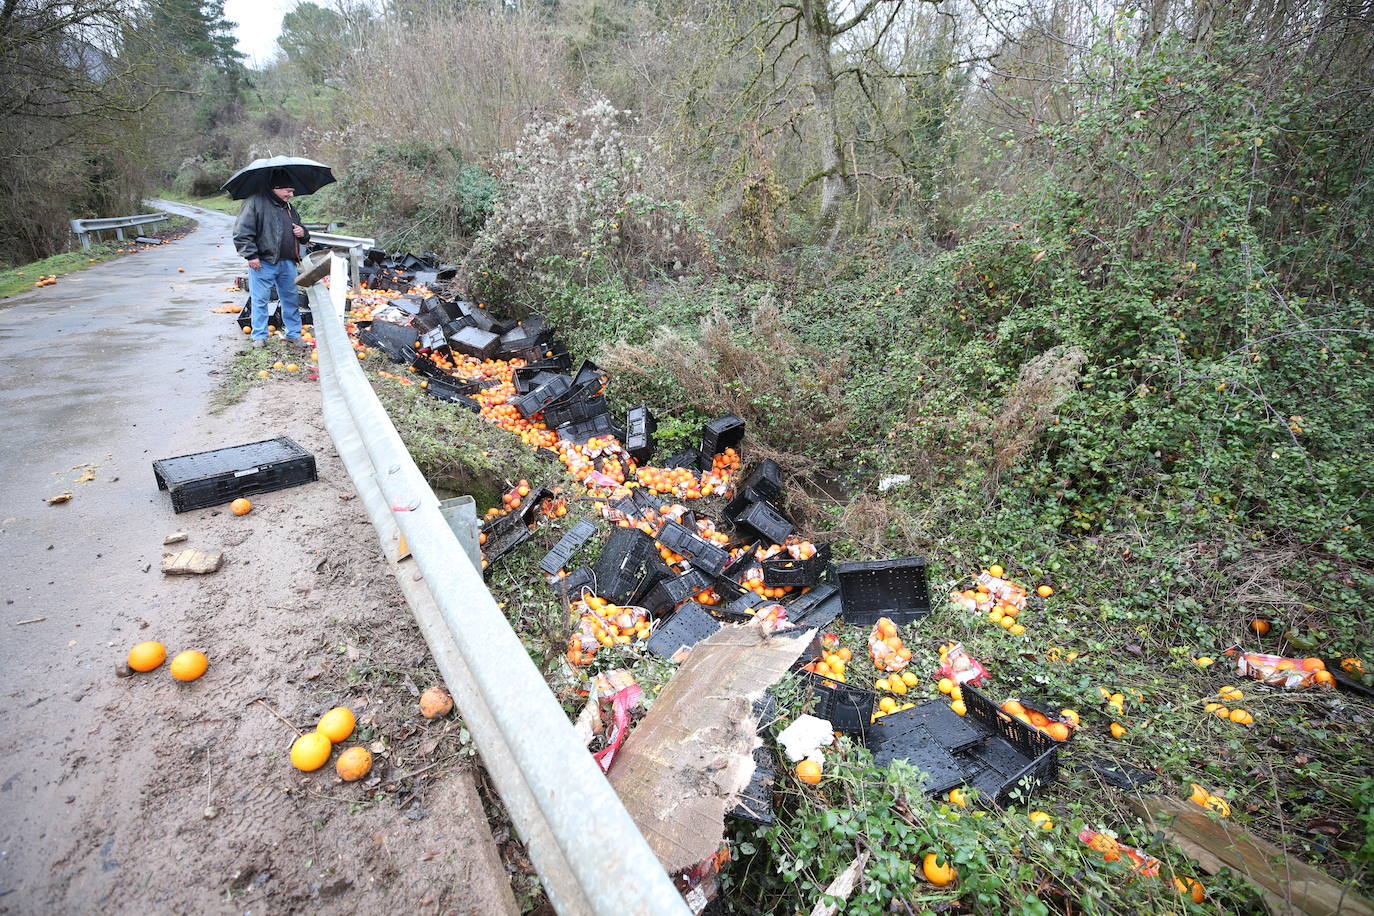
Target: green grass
x: 242, y: 374
x: 16, y: 280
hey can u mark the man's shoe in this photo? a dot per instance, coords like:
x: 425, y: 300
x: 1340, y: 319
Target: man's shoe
x: 298, y: 342
x: 257, y: 344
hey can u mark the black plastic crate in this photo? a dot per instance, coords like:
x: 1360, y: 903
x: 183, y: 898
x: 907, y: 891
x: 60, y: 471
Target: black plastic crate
x: 624, y: 563
x: 528, y: 378
x: 720, y: 434
x: 765, y: 482
x: 744, y: 603
x: 519, y: 339
x: 502, y: 541
x: 1016, y: 757
x: 222, y: 475
x: 918, y: 747
x: 400, y: 335
x: 427, y: 321
x: 397, y: 352
x: 756, y: 801
x: 578, y: 433
x: 474, y: 341
x: 453, y: 392
x: 538, y: 399
x: 441, y: 309
x: 701, y: 554
x: 589, y: 372
x: 689, y: 458
x: 568, y: 545
x: 883, y: 588
x: 684, y: 629
x: 762, y: 520
x: 640, y: 427
x: 781, y: 572
x: 481, y: 318
x: 433, y: 340
x: 668, y: 593
x: 944, y: 726
x: 562, y: 412
x: 849, y: 709
x: 817, y: 608
x: 571, y: 585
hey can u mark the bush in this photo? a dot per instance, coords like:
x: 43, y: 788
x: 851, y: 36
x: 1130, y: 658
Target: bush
x: 582, y: 198
x: 415, y: 197
x: 199, y: 177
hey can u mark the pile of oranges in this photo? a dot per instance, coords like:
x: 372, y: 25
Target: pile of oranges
x: 602, y: 624
x: 1236, y: 715
x: 886, y: 648
x: 49, y: 280
x: 833, y: 661
x: 1000, y: 599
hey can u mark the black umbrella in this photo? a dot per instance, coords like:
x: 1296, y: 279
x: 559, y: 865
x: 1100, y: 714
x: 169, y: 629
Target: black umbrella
x: 305, y: 175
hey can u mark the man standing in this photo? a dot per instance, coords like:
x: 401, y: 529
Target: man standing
x: 268, y: 234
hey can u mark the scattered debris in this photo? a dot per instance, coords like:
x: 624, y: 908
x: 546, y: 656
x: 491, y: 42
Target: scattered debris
x: 59, y: 498
x: 174, y: 538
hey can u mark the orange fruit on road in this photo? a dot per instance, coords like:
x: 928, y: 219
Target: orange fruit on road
x: 240, y: 506
x: 337, y: 724
x: 1260, y: 626
x: 809, y: 771
x: 353, y: 764
x: 147, y: 655
x: 435, y: 702
x: 938, y: 873
x: 189, y: 665
x: 310, y: 751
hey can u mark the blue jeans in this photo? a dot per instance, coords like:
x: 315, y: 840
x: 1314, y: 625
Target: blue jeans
x: 282, y: 275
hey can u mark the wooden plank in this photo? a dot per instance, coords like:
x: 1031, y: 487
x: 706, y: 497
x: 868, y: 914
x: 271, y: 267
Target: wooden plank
x: 1284, y: 881
x: 191, y: 562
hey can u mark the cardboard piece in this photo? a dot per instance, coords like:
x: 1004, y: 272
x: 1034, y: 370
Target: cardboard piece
x: 1287, y: 884
x: 691, y: 757
x: 191, y: 562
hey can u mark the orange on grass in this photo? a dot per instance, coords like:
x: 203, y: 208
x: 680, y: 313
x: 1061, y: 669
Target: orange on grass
x: 1058, y: 731
x: 809, y: 772
x: 189, y: 665
x: 959, y: 707
x: 1200, y: 795
x: 241, y: 506
x: 1260, y: 626
x: 310, y: 751
x: 1325, y: 678
x: 1312, y: 664
x: 1241, y: 717
x: 910, y: 679
x: 938, y: 873
x: 1192, y: 887
x: 1044, y: 591
x: 353, y: 764
x: 996, y: 571
x: 957, y: 797
x: 946, y: 685
x: 1070, y: 716
x: 435, y: 702
x: 1118, y: 730
x: 147, y: 655
x: 337, y: 724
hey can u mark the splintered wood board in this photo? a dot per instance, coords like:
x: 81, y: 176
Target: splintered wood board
x: 191, y: 563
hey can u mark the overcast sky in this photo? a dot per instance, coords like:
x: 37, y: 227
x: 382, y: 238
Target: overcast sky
x: 257, y: 24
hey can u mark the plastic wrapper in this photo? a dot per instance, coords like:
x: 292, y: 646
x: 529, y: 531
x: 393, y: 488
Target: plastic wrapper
x: 988, y: 592
x: 960, y: 667
x: 1277, y: 671
x: 1114, y: 851
x: 886, y: 649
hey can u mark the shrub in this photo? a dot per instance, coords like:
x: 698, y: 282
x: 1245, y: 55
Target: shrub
x: 582, y: 197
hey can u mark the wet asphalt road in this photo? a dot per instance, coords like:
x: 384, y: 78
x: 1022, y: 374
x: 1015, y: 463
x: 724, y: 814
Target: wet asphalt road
x: 109, y: 369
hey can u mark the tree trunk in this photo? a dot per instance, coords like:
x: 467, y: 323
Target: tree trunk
x: 836, y: 183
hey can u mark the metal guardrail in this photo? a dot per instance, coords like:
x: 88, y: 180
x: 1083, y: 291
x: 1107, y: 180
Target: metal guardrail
x: 590, y: 856
x: 84, y: 227
x: 354, y: 245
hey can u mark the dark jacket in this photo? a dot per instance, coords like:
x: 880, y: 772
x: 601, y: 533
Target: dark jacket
x: 263, y: 230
